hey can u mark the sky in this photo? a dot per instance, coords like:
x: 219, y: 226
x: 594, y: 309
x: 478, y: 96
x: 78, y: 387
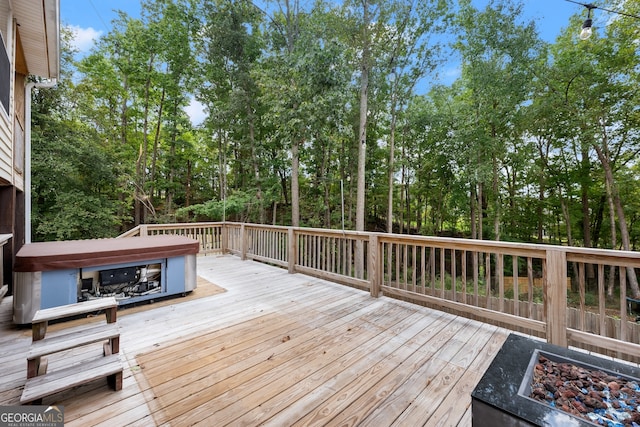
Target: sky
x: 93, y: 17
x: 89, y: 19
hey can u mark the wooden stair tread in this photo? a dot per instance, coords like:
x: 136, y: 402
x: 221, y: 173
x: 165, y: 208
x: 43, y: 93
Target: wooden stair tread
x: 77, y: 338
x: 54, y: 382
x: 70, y: 310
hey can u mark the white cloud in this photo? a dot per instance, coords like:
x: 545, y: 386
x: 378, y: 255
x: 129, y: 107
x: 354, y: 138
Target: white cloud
x: 196, y: 112
x: 84, y: 38
x: 452, y: 73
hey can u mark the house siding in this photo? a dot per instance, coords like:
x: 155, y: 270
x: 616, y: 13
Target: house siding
x: 6, y: 150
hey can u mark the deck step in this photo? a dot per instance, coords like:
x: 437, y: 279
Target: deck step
x: 79, y: 337
x: 70, y: 310
x: 64, y: 379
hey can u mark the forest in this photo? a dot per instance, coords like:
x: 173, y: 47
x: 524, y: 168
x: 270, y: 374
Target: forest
x: 334, y: 115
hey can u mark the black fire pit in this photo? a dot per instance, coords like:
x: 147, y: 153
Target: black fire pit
x: 502, y: 397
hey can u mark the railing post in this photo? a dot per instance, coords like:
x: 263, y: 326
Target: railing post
x: 556, y: 297
x: 292, y: 250
x: 374, y: 265
x: 243, y: 243
x: 143, y: 230
x: 224, y: 238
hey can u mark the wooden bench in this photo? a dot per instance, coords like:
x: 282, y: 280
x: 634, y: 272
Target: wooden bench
x: 108, y: 364
x: 64, y: 379
x: 42, y: 317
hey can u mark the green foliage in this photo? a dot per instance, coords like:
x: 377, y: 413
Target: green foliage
x: 75, y: 215
x: 236, y: 207
x: 515, y: 146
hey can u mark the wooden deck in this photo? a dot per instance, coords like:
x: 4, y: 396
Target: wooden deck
x: 275, y: 349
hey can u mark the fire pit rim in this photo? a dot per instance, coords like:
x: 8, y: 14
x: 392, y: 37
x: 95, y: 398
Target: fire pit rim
x: 498, y: 389
x: 526, y: 386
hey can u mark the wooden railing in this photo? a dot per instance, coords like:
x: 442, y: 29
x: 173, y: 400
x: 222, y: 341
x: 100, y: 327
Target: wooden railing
x: 519, y: 286
x: 209, y: 234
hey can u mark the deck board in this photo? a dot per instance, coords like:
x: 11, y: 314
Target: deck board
x: 275, y: 349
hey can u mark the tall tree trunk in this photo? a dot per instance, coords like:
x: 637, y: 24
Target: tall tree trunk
x: 222, y: 166
x: 567, y: 221
x: 141, y: 163
x: 187, y: 190
x: 256, y: 166
x: 292, y: 34
x: 123, y: 141
x: 480, y: 211
x: 401, y: 203
x: 392, y: 133
x: 474, y: 212
x: 326, y: 183
x: 362, y: 139
x: 295, y: 183
x: 624, y: 232
x: 540, y: 211
x: 156, y: 145
x: 614, y: 237
x: 543, y: 151
x: 173, y: 140
x: 497, y: 214
x: 407, y: 203
x: 362, y: 130
x: 586, y: 217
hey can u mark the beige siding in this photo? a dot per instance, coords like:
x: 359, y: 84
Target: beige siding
x: 6, y: 123
x: 6, y: 149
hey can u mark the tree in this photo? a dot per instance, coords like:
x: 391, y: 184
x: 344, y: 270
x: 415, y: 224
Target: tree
x: 496, y: 56
x: 73, y: 178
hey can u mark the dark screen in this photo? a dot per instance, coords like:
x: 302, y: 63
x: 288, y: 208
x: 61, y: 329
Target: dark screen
x: 5, y: 76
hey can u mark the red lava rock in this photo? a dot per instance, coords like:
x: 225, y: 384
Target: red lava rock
x: 539, y: 392
x: 580, y: 407
x: 577, y: 390
x: 549, y: 386
x: 591, y: 402
x: 598, y: 395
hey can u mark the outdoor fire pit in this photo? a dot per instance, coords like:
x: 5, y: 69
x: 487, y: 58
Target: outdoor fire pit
x: 532, y: 383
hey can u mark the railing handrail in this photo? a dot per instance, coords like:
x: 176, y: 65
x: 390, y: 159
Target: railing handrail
x: 394, y: 264
x: 574, y: 253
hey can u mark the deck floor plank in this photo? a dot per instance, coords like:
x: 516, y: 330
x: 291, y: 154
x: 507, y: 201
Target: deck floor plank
x: 289, y: 355
x: 232, y: 360
x: 325, y: 380
x: 393, y: 393
x: 259, y: 391
x: 274, y: 349
x: 395, y: 349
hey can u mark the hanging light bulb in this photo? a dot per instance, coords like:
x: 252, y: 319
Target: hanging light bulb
x: 586, y: 29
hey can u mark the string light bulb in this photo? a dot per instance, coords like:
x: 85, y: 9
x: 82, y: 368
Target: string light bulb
x: 587, y: 30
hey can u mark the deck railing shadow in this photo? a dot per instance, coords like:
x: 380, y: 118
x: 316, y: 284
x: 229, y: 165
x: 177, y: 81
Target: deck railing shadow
x: 524, y: 287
